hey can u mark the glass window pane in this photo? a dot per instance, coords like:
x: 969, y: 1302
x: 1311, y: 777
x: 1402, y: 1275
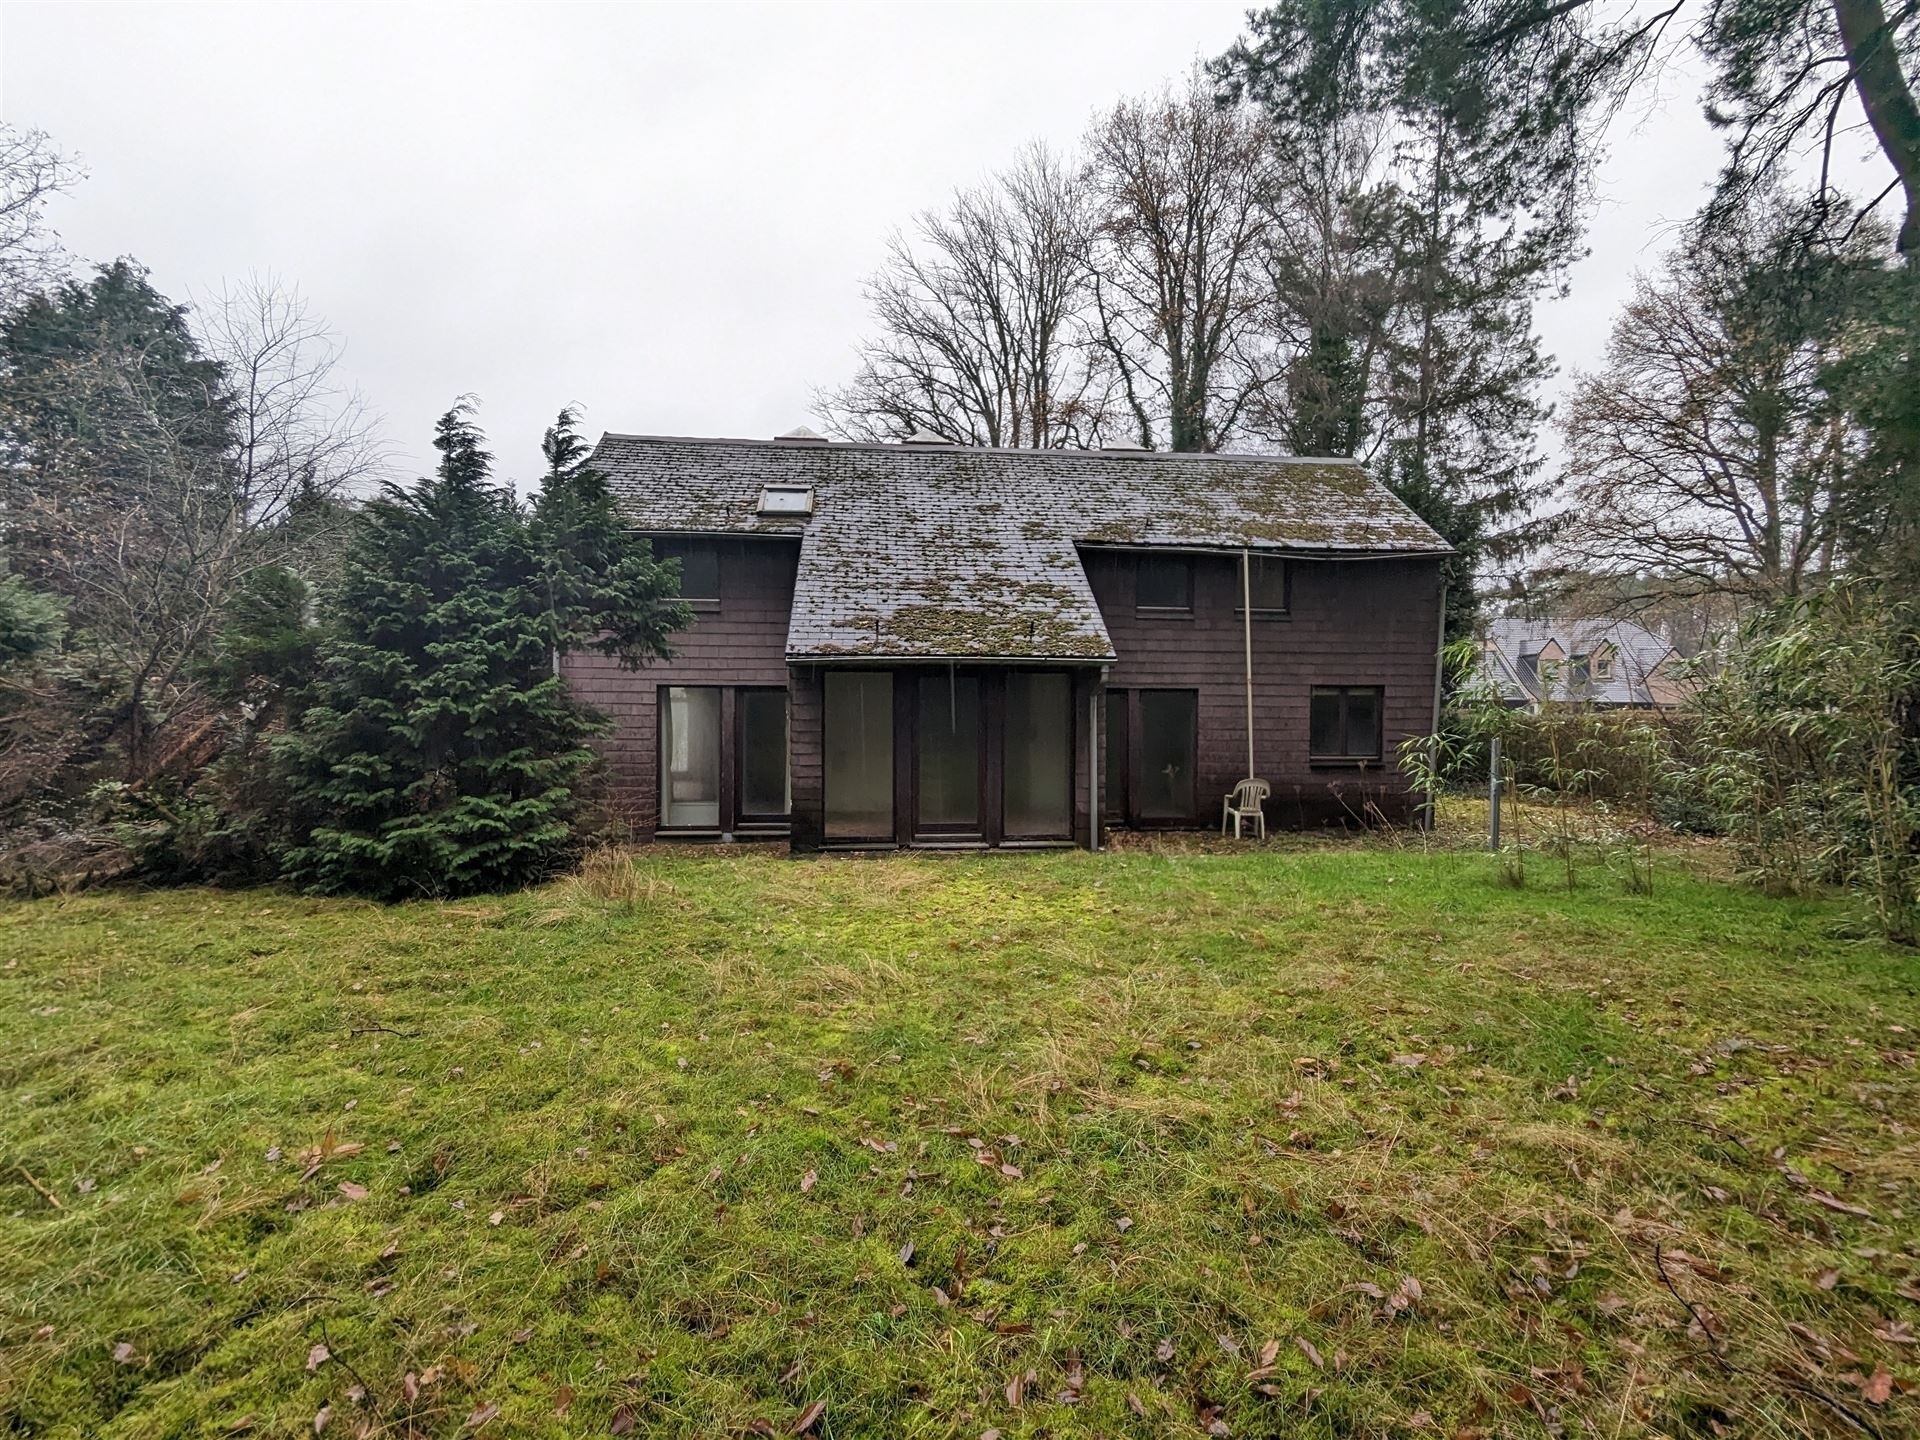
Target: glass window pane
x: 699, y: 570
x: 950, y: 751
x: 1323, y: 726
x: 859, y: 754
x: 1164, y: 582
x: 1363, y: 722
x: 1114, y: 803
x: 763, y: 752
x: 1269, y: 579
x: 690, y: 757
x: 1039, y: 772
x: 1165, y: 782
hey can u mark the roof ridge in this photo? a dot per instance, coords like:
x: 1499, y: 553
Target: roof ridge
x: 1057, y: 451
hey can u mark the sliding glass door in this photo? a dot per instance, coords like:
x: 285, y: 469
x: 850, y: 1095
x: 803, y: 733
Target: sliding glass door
x: 947, y: 746
x: 858, y: 745
x: 1038, y: 787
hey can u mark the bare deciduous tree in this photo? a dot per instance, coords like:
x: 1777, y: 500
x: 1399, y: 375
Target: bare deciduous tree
x: 983, y: 335
x: 148, y: 490
x: 1181, y: 182
x: 31, y: 171
x: 1708, y: 450
x: 299, y: 434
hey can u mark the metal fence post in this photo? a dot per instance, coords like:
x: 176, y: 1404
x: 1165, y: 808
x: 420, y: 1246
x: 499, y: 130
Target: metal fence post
x: 1493, y: 794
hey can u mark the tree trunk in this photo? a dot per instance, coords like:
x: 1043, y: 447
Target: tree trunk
x: 1888, y: 101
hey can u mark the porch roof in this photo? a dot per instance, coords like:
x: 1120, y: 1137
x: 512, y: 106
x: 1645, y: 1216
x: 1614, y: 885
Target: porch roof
x: 947, y: 551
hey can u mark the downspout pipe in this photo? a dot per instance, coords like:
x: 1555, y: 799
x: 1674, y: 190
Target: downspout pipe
x: 1246, y: 619
x: 1433, y: 729
x: 1093, y: 763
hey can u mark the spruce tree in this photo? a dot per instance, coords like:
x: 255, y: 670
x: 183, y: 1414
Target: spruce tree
x: 443, y: 753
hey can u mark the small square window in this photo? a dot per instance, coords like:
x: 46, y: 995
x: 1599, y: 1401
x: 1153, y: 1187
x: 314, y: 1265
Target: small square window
x: 699, y: 571
x: 1271, y: 582
x: 1343, y: 723
x: 1163, y: 582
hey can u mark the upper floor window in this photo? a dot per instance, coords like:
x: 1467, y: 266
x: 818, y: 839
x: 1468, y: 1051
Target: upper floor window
x: 1163, y: 582
x: 699, y: 570
x: 1271, y: 582
x: 1603, y: 665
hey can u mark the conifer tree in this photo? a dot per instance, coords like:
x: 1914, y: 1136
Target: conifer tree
x: 443, y: 753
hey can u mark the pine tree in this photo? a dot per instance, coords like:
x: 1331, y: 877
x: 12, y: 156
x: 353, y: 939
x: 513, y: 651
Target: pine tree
x: 443, y: 753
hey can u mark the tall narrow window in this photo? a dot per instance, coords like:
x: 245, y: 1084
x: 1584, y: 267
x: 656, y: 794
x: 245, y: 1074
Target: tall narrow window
x: 1114, y: 804
x: 1344, y: 723
x: 858, y: 742
x: 690, y: 757
x: 1039, y: 755
x: 1164, y: 789
x: 1163, y: 582
x: 949, y: 753
x: 764, y: 794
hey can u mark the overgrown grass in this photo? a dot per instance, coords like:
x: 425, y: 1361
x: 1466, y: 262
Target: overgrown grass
x: 1312, y: 1141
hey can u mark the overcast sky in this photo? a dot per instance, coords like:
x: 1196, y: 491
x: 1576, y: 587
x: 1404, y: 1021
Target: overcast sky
x: 663, y: 213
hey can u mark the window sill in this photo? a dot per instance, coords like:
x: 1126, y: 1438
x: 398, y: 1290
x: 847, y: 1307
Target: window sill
x: 1160, y: 612
x: 1344, y: 762
x: 700, y: 607
x: 1260, y: 614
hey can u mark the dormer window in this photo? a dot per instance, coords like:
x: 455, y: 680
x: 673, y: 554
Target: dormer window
x: 786, y: 500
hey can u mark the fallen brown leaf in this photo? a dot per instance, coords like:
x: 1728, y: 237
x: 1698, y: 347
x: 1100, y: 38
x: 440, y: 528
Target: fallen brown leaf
x: 808, y: 1418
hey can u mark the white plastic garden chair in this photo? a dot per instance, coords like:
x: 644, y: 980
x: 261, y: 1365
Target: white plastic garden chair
x: 1247, y: 802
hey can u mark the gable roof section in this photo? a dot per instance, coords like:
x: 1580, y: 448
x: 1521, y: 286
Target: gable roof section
x: 944, y: 551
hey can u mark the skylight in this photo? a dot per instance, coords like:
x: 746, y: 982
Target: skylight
x: 786, y: 500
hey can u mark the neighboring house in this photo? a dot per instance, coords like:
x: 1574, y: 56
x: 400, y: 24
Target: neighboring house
x: 1588, y: 661
x: 931, y: 644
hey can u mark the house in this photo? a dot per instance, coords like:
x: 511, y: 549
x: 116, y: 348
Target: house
x: 1599, y: 662
x: 927, y: 644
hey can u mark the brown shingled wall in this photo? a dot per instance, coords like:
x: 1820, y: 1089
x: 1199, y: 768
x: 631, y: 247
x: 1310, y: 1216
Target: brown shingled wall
x: 1355, y: 622
x: 742, y: 642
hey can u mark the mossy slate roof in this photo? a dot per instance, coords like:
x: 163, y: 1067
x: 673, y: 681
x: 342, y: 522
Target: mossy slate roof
x: 950, y: 551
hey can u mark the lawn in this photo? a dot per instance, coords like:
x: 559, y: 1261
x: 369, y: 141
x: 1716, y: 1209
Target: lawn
x: 1319, y: 1140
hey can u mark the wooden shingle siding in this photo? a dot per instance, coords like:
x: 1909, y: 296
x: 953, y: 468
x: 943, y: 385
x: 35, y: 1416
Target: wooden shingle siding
x: 741, y: 642
x: 1352, y: 622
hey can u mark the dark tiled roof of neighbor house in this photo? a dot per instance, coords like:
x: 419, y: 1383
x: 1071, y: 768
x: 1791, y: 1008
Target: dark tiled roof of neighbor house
x: 938, y: 551
x: 1513, y: 646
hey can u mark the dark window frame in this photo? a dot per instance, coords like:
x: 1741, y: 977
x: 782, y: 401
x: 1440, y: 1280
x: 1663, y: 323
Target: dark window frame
x: 1282, y: 611
x: 1004, y: 707
x: 984, y: 717
x: 733, y: 816
x: 898, y: 735
x: 743, y: 818
x: 679, y: 548
x: 1348, y: 756
x: 723, y: 787
x: 1183, y: 563
x: 1117, y: 799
